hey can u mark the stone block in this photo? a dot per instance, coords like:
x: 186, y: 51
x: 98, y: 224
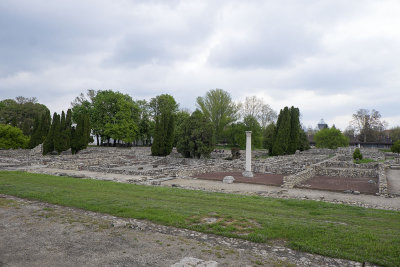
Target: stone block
x: 228, y: 179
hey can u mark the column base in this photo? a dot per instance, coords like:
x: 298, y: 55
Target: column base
x: 247, y: 174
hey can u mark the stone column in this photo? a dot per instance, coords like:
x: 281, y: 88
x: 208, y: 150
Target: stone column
x: 247, y: 172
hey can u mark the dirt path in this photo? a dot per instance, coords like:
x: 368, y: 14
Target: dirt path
x: 40, y: 234
x: 369, y: 201
x: 393, y: 178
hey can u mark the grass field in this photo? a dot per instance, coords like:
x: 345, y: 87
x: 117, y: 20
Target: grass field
x: 332, y: 230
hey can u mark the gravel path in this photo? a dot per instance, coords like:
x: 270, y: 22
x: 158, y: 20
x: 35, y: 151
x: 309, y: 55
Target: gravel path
x: 369, y: 201
x: 40, y: 234
x: 393, y: 177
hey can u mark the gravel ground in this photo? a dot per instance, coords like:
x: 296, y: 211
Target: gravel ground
x: 40, y: 234
x: 369, y: 201
x: 393, y: 177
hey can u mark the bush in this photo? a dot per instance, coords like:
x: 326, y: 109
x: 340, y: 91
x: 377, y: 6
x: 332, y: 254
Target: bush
x: 396, y: 147
x: 12, y: 137
x: 330, y: 138
x: 357, y: 154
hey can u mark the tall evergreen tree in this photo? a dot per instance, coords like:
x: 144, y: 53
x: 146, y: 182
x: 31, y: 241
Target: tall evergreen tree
x: 281, y: 140
x: 48, y: 144
x: 196, y: 136
x: 67, y: 129
x: 80, y: 135
x: 57, y: 137
x: 294, y: 130
x: 45, y: 124
x: 36, y: 133
x: 164, y: 111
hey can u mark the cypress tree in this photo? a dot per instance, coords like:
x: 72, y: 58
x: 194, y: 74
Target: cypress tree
x: 281, y: 141
x: 48, y: 144
x: 67, y: 129
x: 45, y: 123
x: 57, y: 137
x: 80, y: 135
x: 164, y: 107
x: 36, y: 134
x: 63, y: 135
x: 294, y: 143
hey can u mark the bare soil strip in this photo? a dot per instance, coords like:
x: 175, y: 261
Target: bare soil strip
x: 40, y: 234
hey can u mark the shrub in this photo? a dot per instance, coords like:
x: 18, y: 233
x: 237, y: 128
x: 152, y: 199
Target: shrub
x: 330, y: 138
x: 12, y: 137
x: 357, y: 154
x: 396, y: 147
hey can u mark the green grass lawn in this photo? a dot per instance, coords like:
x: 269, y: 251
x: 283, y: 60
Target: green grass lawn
x: 332, y: 230
x: 363, y: 161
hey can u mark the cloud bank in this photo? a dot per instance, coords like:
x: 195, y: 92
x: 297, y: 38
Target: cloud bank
x: 329, y: 58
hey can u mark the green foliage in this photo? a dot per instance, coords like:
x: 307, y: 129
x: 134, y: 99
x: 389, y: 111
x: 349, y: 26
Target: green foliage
x: 36, y: 134
x: 219, y: 108
x: 235, y: 135
x: 57, y: 138
x: 66, y: 130
x: 288, y: 135
x: 146, y: 125
x: 304, y: 144
x: 196, y: 136
x: 363, y: 161
x: 48, y: 144
x: 181, y: 117
x: 164, y: 111
x: 338, y: 231
x: 396, y: 147
x: 80, y: 136
x: 282, y: 133
x: 251, y: 124
x: 268, y: 136
x: 395, y: 134
x: 12, y: 137
x: 40, y: 129
x: 330, y: 138
x: 357, y: 154
x: 113, y: 115
x: 294, y: 137
x: 21, y: 113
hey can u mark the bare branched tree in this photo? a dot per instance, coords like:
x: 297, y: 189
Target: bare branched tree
x: 368, y: 124
x: 256, y: 108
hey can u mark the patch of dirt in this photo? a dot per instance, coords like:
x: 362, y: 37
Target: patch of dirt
x: 40, y: 234
x: 360, y: 184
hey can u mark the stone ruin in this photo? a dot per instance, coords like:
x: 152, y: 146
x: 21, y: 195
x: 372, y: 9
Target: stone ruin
x: 137, y: 161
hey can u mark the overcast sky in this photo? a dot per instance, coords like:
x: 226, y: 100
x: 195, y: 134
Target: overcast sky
x: 329, y: 58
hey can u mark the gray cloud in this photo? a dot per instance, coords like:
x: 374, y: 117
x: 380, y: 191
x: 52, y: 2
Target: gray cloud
x: 330, y: 58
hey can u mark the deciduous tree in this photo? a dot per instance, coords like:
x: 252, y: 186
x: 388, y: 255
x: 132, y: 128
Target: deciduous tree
x: 368, y: 125
x: 330, y: 138
x: 218, y: 107
x: 21, y: 113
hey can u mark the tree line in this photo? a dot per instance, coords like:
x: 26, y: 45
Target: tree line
x: 114, y: 118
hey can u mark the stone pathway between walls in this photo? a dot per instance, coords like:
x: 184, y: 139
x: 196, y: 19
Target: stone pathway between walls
x: 393, y: 177
x: 40, y: 234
